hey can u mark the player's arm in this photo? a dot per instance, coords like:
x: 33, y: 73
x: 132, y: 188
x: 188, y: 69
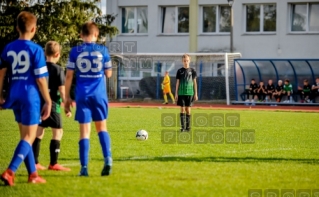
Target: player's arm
x: 68, y: 83
x: 195, y: 90
x: 107, y: 64
x: 3, y: 70
x: 61, y: 83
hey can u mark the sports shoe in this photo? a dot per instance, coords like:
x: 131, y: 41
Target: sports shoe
x: 173, y: 102
x: 107, y: 166
x: 308, y: 100
x: 165, y: 103
x: 35, y: 178
x: 8, y: 177
x: 84, y: 171
x: 188, y: 129
x: 58, y: 167
x: 38, y: 166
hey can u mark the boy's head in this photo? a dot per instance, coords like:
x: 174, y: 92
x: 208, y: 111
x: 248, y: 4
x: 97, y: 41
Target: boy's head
x: 305, y: 82
x: 317, y: 80
x: 286, y: 82
x: 261, y: 83
x: 166, y: 72
x: 252, y: 81
x: 186, y: 60
x: 270, y: 82
x: 89, y: 32
x: 52, y: 51
x: 280, y: 82
x: 26, y: 23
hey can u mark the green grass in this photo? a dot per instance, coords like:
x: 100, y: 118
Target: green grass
x: 285, y: 155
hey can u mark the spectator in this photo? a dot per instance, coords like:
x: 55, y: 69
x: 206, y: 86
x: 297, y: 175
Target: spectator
x: 278, y: 91
x: 261, y: 91
x: 270, y: 89
x: 305, y: 92
x: 252, y: 90
x: 315, y: 90
x: 287, y: 91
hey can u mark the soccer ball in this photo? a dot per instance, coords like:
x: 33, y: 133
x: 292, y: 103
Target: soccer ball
x: 141, y: 135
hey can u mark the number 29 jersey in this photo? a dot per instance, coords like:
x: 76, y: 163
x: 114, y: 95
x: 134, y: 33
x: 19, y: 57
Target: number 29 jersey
x: 89, y: 61
x: 25, y: 62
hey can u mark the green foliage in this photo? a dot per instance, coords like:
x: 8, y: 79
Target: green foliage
x: 57, y: 20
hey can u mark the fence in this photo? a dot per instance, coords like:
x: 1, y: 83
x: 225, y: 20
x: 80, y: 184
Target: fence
x: 139, y: 76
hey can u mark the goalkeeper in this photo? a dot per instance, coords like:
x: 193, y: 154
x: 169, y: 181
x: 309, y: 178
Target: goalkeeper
x: 166, y: 87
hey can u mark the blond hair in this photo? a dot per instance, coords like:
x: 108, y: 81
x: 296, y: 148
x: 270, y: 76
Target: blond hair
x: 52, y: 48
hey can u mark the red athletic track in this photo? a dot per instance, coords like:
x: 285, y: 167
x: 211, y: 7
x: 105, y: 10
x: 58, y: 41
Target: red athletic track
x: 218, y: 106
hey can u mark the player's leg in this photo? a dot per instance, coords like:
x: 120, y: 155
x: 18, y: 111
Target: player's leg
x: 172, y: 97
x: 84, y: 147
x: 182, y: 115
x: 83, y: 115
x: 55, y: 142
x: 28, y: 126
x: 57, y: 133
x: 105, y: 142
x: 36, y: 147
x: 165, y: 98
x: 188, y: 104
x: 99, y: 115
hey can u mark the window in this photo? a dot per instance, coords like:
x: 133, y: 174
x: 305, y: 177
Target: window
x: 172, y: 24
x: 305, y: 17
x: 261, y: 18
x: 215, y: 19
x: 134, y: 20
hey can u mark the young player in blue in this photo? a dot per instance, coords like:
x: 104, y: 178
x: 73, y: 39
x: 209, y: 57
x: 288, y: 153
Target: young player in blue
x: 91, y: 63
x: 25, y: 62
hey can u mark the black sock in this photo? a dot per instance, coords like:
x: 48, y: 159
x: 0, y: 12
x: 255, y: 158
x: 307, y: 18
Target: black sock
x: 188, y: 121
x: 182, y: 118
x: 54, y: 151
x: 36, y: 149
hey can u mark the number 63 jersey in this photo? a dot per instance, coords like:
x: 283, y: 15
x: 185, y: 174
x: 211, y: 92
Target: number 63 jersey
x: 25, y: 62
x: 89, y: 61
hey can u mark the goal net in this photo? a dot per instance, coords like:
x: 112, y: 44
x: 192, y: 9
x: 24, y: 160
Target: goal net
x: 139, y: 76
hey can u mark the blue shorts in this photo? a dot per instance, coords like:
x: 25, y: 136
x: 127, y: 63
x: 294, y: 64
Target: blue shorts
x: 26, y: 111
x: 91, y: 108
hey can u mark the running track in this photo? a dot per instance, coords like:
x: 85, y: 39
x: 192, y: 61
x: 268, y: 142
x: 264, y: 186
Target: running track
x: 217, y: 106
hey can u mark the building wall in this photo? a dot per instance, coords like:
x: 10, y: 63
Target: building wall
x: 281, y: 44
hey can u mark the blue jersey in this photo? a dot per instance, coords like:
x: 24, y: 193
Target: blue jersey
x: 89, y: 61
x: 26, y: 62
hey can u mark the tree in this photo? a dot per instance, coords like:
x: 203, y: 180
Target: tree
x: 57, y: 20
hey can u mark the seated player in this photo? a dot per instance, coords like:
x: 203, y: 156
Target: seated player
x: 252, y: 90
x: 57, y: 93
x: 278, y: 91
x: 315, y: 90
x: 287, y: 91
x: 270, y: 89
x: 26, y: 61
x: 91, y: 63
x: 261, y: 91
x: 305, y: 92
x: 166, y: 86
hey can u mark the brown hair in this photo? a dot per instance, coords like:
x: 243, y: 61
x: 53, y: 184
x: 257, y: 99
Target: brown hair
x: 89, y: 28
x: 306, y: 80
x: 186, y: 55
x: 51, y: 48
x: 26, y: 21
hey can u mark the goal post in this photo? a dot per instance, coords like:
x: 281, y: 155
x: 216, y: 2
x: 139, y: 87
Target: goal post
x: 139, y: 76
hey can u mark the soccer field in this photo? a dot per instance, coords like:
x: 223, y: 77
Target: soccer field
x: 284, y: 155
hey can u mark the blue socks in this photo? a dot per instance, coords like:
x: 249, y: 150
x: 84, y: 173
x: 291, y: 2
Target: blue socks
x: 84, y: 151
x: 20, y: 154
x: 30, y: 162
x: 105, y: 142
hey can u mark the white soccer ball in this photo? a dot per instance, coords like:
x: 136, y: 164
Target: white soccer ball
x: 141, y: 135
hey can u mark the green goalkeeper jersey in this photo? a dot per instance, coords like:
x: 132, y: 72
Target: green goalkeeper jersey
x: 288, y: 88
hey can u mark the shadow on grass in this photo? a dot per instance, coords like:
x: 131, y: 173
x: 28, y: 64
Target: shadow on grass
x: 221, y: 159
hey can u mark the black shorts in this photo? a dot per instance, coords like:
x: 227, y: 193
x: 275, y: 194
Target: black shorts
x: 54, y: 121
x: 185, y: 100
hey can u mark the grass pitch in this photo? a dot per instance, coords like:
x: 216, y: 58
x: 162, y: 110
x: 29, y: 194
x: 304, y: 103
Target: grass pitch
x: 285, y: 155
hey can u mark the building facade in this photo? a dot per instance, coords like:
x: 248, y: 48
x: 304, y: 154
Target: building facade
x: 261, y: 28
